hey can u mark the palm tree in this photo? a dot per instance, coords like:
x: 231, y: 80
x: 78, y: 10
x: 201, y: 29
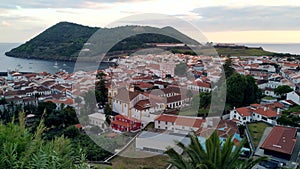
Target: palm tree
x: 214, y: 155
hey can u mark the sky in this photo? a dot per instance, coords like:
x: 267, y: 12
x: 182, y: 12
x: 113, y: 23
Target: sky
x: 230, y: 21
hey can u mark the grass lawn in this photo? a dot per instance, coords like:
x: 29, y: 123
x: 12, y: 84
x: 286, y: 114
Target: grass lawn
x: 139, y: 159
x: 256, y: 131
x: 157, y: 162
x: 269, y: 98
x: 187, y: 112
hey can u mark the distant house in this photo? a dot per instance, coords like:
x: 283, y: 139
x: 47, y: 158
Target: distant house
x: 294, y: 96
x: 146, y: 110
x: 159, y: 142
x: 124, y: 101
x: 255, y: 112
x: 178, y: 124
x: 280, y: 142
x: 97, y: 119
x: 199, y: 86
x: 125, y: 124
x: 141, y: 105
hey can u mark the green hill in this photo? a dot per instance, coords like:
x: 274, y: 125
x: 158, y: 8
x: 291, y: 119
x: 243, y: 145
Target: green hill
x: 64, y: 40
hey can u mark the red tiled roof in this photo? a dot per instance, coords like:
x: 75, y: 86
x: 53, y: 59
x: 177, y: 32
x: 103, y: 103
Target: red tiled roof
x: 144, y: 85
x: 126, y: 96
x: 79, y: 126
x: 67, y: 101
x: 255, y: 105
x: 121, y: 123
x: 281, y: 139
x: 171, y: 89
x: 203, y: 84
x: 127, y: 118
x: 192, y: 122
x: 180, y: 120
x: 266, y: 112
x: 291, y: 102
x: 166, y: 118
x: 244, y: 111
x: 174, y: 99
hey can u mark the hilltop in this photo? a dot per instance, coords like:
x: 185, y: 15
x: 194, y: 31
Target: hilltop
x: 64, y: 40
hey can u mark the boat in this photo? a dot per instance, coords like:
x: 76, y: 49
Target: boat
x: 55, y: 64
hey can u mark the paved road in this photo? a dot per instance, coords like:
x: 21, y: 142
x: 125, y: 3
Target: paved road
x: 295, y: 156
x: 260, y: 152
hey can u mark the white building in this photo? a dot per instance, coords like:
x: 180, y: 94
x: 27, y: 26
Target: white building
x: 97, y: 119
x: 158, y: 143
x: 254, y: 112
x: 178, y: 124
x: 294, y: 96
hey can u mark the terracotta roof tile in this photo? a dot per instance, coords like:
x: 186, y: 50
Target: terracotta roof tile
x: 281, y: 139
x: 244, y: 111
x: 181, y: 121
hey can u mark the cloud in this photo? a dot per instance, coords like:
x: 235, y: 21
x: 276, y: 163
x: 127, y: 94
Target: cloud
x: 221, y: 18
x: 60, y: 3
x: 5, y: 23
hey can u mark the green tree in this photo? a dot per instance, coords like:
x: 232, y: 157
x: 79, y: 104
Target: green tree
x: 180, y: 69
x: 49, y: 107
x: 90, y: 102
x: 228, y: 68
x: 205, y: 99
x: 235, y: 89
x: 108, y: 113
x: 282, y: 90
x: 195, y: 103
x: 71, y: 132
x: 251, y: 90
x: 101, y: 90
x: 189, y: 95
x: 69, y: 116
x: 213, y: 156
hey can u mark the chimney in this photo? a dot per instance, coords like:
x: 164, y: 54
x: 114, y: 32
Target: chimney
x: 265, y: 108
x: 131, y: 88
x: 278, y: 111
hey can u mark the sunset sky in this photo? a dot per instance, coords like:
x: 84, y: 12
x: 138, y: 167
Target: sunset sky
x: 236, y: 21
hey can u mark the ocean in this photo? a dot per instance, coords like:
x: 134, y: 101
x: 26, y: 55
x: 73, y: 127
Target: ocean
x: 35, y: 65
x: 292, y: 48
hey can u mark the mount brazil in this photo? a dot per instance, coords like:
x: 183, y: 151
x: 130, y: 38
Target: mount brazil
x: 65, y: 40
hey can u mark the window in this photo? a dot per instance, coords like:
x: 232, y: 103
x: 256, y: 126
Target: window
x: 166, y: 128
x: 166, y: 123
x: 158, y: 122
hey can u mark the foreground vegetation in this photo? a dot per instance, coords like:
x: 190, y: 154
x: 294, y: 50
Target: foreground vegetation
x: 214, y: 155
x: 22, y: 149
x: 57, y: 122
